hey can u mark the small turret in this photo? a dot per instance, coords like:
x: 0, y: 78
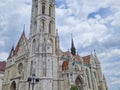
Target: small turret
x: 96, y: 58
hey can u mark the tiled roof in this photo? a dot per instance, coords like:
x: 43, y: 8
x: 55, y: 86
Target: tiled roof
x: 77, y: 57
x: 14, y: 51
x: 86, y: 59
x: 2, y: 66
x: 65, y: 65
x: 67, y: 54
x: 18, y: 44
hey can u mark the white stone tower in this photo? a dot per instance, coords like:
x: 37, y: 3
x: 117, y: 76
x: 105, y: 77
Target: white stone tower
x: 43, y: 45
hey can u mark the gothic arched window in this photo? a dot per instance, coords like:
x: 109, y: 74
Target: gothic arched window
x: 88, y: 79
x: 13, y: 86
x: 43, y: 24
x: 20, y: 68
x: 43, y: 8
x: 50, y: 10
x: 50, y: 27
x: 49, y: 47
x: 79, y: 83
x: 34, y: 45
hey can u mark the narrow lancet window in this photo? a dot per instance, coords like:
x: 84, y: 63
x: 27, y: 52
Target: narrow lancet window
x: 50, y: 27
x: 43, y: 24
x: 43, y: 8
x: 31, y: 68
x: 50, y: 11
x: 33, y: 46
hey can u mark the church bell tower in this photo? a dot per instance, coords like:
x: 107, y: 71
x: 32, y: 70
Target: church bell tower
x: 44, y: 44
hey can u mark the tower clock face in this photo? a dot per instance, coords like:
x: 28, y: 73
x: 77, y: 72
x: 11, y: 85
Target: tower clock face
x: 20, y: 68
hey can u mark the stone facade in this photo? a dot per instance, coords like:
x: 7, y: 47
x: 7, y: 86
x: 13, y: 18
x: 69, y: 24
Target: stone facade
x: 1, y: 80
x: 41, y: 55
x: 2, y: 69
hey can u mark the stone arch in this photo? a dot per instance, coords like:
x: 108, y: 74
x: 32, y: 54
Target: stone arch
x: 13, y: 86
x: 79, y: 82
x: 20, y: 68
x: 51, y: 27
x: 50, y: 45
x: 43, y: 24
x: 50, y: 10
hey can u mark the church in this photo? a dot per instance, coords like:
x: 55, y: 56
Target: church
x: 38, y: 62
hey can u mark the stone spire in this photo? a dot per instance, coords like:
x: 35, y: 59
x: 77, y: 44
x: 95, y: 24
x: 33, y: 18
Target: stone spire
x: 73, y: 49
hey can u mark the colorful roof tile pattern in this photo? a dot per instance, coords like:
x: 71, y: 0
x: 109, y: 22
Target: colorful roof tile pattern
x: 65, y: 65
x: 86, y: 59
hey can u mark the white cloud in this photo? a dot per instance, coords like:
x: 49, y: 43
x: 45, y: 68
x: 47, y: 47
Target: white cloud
x: 109, y: 54
x: 116, y: 20
x: 3, y: 56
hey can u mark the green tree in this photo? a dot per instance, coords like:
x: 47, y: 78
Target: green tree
x: 73, y: 87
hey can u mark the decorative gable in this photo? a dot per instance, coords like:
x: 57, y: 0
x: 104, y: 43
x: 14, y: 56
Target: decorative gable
x: 21, y: 47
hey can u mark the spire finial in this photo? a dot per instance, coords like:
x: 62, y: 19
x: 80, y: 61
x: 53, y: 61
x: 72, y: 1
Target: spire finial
x: 24, y: 28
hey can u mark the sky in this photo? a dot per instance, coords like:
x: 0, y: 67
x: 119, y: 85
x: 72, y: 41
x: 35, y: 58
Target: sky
x: 94, y: 24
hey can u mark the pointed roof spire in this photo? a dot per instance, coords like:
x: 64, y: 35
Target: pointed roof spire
x: 11, y: 52
x: 73, y: 49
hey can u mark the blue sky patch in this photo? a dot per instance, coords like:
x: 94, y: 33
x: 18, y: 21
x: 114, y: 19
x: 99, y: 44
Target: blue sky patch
x: 61, y: 4
x: 103, y: 12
